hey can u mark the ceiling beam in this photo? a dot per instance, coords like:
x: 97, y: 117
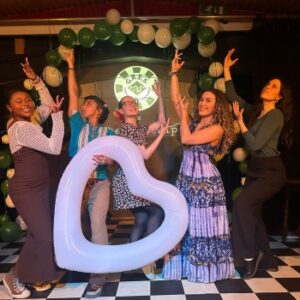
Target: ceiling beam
x: 53, y: 26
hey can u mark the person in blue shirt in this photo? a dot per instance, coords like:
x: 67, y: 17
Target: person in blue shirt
x: 86, y: 126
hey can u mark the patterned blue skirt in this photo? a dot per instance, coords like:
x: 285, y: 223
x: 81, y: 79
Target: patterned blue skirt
x: 205, y: 253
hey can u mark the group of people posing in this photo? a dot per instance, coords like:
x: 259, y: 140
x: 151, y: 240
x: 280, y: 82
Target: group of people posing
x: 207, y: 251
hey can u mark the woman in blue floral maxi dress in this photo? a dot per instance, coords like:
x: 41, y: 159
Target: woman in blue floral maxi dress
x: 205, y: 253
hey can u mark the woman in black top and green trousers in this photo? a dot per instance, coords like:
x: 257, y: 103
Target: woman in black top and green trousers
x: 265, y: 173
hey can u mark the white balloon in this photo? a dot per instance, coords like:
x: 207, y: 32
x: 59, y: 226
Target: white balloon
x: 5, y: 139
x: 163, y: 37
x: 74, y: 252
x: 182, y: 42
x: 220, y: 85
x: 214, y: 24
x: 63, y: 51
x: 146, y: 33
x: 127, y: 26
x: 215, y: 69
x: 9, y: 202
x: 10, y: 173
x: 52, y: 76
x: 239, y: 154
x: 207, y: 50
x: 113, y: 16
x: 28, y: 85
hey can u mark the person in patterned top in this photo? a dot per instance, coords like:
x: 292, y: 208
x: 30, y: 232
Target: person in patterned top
x: 85, y: 127
x: 29, y: 187
x: 148, y: 216
x: 205, y: 253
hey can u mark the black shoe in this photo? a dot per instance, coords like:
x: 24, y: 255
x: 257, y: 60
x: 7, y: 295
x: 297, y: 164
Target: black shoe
x: 269, y: 263
x: 252, y: 266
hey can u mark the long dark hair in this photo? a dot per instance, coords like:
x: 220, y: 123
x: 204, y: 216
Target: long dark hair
x: 222, y: 116
x: 285, y: 104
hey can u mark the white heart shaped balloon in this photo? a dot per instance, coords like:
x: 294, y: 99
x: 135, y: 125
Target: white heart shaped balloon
x: 74, y: 252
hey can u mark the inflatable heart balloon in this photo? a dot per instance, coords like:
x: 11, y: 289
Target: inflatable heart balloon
x: 74, y: 252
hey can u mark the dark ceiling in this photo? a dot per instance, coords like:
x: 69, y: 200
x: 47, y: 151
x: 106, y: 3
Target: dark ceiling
x: 30, y: 9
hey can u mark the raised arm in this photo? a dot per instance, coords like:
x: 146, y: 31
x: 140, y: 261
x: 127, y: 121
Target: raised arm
x: 72, y: 84
x: 30, y: 135
x: 230, y: 88
x: 209, y: 135
x: 45, y: 108
x: 176, y: 65
x: 273, y: 121
x: 147, y: 152
x: 161, y: 110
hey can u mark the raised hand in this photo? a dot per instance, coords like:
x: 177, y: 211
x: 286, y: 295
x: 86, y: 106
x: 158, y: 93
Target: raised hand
x: 177, y: 62
x: 228, y: 61
x: 27, y: 69
x: 184, y: 106
x: 238, y: 112
x: 156, y: 88
x: 164, y: 127
x: 70, y: 58
x: 56, y: 106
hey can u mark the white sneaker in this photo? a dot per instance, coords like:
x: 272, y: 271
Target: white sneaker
x: 16, y: 288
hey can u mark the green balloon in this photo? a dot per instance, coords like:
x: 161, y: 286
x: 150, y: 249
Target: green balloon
x: 35, y: 96
x: 243, y: 167
x: 133, y: 35
x: 102, y: 30
x: 4, y: 218
x: 206, y: 35
x: 67, y: 37
x: 10, y: 231
x: 194, y: 24
x: 4, y: 187
x: 117, y: 37
x: 178, y: 27
x: 236, y: 192
x: 206, y: 81
x: 53, y: 58
x: 5, y: 159
x: 86, y: 37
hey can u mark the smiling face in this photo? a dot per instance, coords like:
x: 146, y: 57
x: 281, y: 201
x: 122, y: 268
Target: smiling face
x: 21, y: 106
x: 206, y: 104
x: 271, y: 91
x: 129, y: 107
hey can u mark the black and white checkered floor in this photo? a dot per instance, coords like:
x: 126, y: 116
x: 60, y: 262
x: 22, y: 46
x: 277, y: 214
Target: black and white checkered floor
x: 281, y: 285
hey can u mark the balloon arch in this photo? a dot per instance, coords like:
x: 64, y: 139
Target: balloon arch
x: 114, y: 30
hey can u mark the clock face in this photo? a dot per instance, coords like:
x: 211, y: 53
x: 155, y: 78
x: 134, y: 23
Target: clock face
x: 137, y: 82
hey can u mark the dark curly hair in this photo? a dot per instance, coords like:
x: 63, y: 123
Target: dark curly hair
x: 101, y: 104
x: 222, y: 116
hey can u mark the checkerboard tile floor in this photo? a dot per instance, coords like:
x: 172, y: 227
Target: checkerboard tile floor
x: 281, y: 285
